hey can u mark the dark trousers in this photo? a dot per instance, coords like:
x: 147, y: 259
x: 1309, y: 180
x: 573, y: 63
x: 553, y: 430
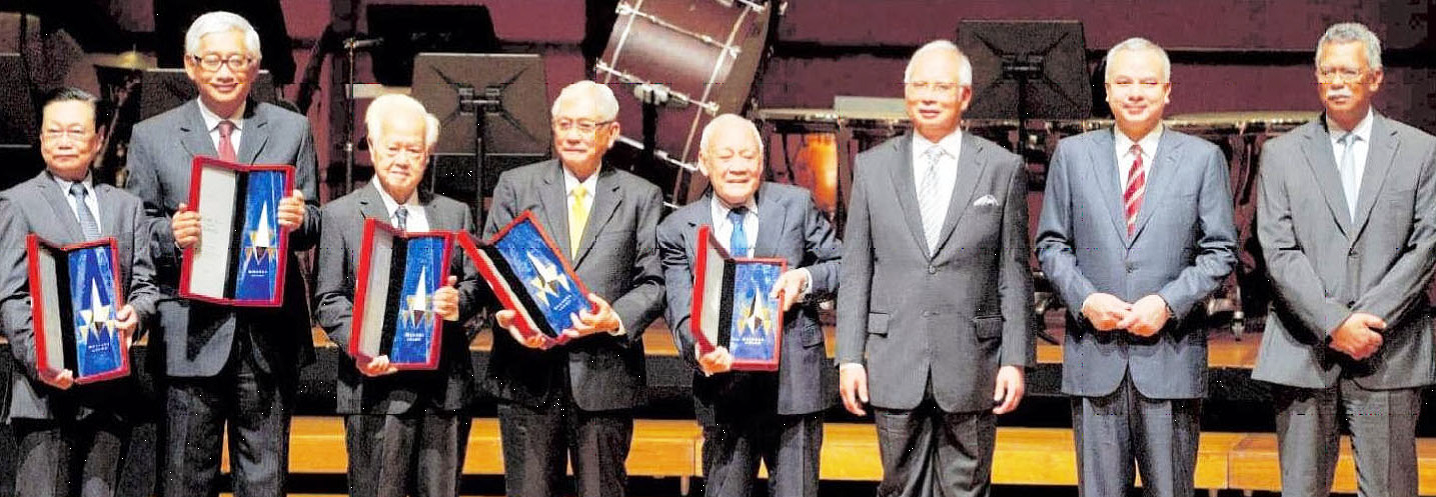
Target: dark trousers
x: 1383, y: 438
x: 926, y: 451
x: 1114, y: 430
x: 537, y: 442
x: 789, y: 445
x: 252, y: 405
x: 418, y: 453
x: 56, y: 458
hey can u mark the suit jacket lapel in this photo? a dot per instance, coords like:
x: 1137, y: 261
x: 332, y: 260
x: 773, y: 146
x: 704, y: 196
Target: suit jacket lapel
x: 1104, y: 167
x: 697, y: 217
x: 437, y: 220
x: 771, y: 216
x: 553, y: 196
x: 906, y: 190
x: 194, y: 135
x: 1159, y: 179
x: 969, y: 170
x: 1320, y: 158
x: 606, y: 197
x: 1380, y: 152
x: 60, y: 204
x: 371, y: 206
x: 109, y: 217
x: 254, y: 135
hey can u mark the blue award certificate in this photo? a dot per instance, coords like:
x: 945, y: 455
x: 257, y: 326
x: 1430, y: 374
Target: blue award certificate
x: 733, y: 307
x: 242, y: 250
x: 531, y: 277
x: 258, y: 272
x: 394, y: 314
x: 75, y: 299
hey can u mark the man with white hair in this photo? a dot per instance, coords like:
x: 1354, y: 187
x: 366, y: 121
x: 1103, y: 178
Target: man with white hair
x: 225, y: 365
x: 747, y: 417
x: 576, y: 400
x: 1344, y: 216
x: 1136, y: 230
x: 935, y: 313
x: 391, y: 418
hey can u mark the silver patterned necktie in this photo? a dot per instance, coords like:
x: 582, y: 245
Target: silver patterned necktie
x: 88, y: 224
x: 927, y: 198
x: 1347, y: 168
x: 401, y: 218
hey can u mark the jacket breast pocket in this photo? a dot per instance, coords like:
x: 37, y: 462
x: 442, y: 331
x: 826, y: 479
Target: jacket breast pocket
x: 878, y: 323
x: 986, y: 327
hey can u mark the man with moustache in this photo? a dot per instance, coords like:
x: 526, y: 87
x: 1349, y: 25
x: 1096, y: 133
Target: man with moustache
x: 1344, y: 216
x: 225, y: 366
x: 70, y: 438
x: 405, y: 433
x: 747, y: 417
x: 1136, y: 231
x: 574, y: 402
x: 934, y: 320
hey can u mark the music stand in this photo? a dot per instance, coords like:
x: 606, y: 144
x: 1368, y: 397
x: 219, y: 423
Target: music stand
x: 165, y: 89
x: 491, y: 107
x: 18, y: 130
x: 1027, y: 69
x: 408, y: 30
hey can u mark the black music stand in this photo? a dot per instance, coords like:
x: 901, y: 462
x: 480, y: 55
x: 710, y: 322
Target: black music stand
x: 491, y: 107
x: 18, y: 129
x: 1027, y: 70
x: 165, y: 89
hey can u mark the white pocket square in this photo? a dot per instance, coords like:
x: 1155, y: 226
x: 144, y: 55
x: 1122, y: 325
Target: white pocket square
x: 985, y: 201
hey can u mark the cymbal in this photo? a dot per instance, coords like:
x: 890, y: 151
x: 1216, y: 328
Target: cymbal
x: 130, y: 60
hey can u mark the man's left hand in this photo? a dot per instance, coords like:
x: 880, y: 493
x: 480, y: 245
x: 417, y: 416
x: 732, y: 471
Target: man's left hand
x: 291, y: 210
x: 601, y: 320
x: 446, y: 300
x: 1010, y: 387
x: 789, y: 288
x: 126, y: 321
x: 1148, y: 315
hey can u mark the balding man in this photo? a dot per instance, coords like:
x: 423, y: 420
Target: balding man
x: 1136, y: 231
x: 935, y: 313
x: 751, y: 416
x: 405, y: 431
x: 575, y: 401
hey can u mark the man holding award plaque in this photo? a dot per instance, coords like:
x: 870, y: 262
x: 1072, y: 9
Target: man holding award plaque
x: 935, y: 313
x: 575, y: 400
x: 393, y: 416
x: 225, y: 364
x: 70, y: 435
x: 775, y: 416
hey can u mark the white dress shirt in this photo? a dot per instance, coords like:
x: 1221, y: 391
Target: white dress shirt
x: 590, y: 185
x: 417, y: 220
x: 1125, y: 157
x: 211, y: 123
x: 90, y: 201
x: 723, y: 228
x: 951, y: 145
x: 1359, y: 149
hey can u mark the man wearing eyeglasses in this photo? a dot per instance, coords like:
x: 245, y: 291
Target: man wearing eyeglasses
x: 935, y: 309
x: 1345, y: 220
x: 225, y: 367
x: 575, y: 401
x: 1136, y: 230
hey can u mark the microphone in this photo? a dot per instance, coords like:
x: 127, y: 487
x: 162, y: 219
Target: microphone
x: 660, y: 95
x: 362, y: 43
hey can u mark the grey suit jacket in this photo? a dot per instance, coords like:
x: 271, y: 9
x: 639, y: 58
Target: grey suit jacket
x: 197, y: 336
x: 1323, y: 266
x: 952, y: 318
x: 39, y: 206
x: 616, y: 260
x: 790, y: 227
x: 1183, y: 247
x: 446, y: 388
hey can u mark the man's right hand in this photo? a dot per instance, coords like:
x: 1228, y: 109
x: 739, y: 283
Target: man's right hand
x: 1359, y: 336
x: 185, y: 225
x: 717, y: 361
x: 378, y: 366
x: 1105, y: 311
x: 853, y: 385
x: 505, y: 319
x: 63, y: 381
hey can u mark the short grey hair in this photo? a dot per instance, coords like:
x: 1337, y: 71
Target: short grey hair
x: 722, y: 119
x: 386, y: 105
x: 602, y: 97
x: 964, y: 66
x: 1133, y: 45
x: 220, y: 22
x: 1348, y: 32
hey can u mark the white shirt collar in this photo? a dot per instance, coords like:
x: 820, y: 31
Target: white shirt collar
x: 390, y: 205
x: 570, y: 181
x: 952, y: 144
x: 211, y: 120
x: 1362, y: 131
x: 65, y: 184
x: 720, y: 211
x: 1148, y: 143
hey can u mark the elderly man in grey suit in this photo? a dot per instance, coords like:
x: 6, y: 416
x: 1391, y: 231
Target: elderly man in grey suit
x: 1136, y: 230
x: 751, y: 416
x: 575, y: 401
x: 71, y: 438
x: 1345, y: 220
x: 405, y: 433
x: 225, y: 365
x: 934, y: 319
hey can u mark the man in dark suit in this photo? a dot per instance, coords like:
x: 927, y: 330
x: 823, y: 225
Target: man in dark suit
x: 404, y: 432
x: 747, y: 417
x: 71, y: 438
x: 225, y: 365
x: 1345, y: 220
x: 1136, y: 231
x: 936, y: 308
x: 576, y: 400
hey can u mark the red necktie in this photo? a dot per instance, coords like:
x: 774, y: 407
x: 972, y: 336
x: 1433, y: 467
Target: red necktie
x: 226, y: 147
x: 1136, y: 186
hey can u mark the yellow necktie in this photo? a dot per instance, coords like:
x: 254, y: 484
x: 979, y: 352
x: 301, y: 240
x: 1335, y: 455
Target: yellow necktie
x: 577, y: 218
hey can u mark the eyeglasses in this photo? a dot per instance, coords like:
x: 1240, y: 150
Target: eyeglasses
x: 73, y: 134
x: 1339, y: 74
x: 212, y: 62
x: 584, y: 126
x: 940, y: 87
x: 1135, y: 85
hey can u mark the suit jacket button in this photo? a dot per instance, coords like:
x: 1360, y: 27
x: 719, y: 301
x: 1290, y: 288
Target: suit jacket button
x: 1352, y: 253
x: 932, y: 270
